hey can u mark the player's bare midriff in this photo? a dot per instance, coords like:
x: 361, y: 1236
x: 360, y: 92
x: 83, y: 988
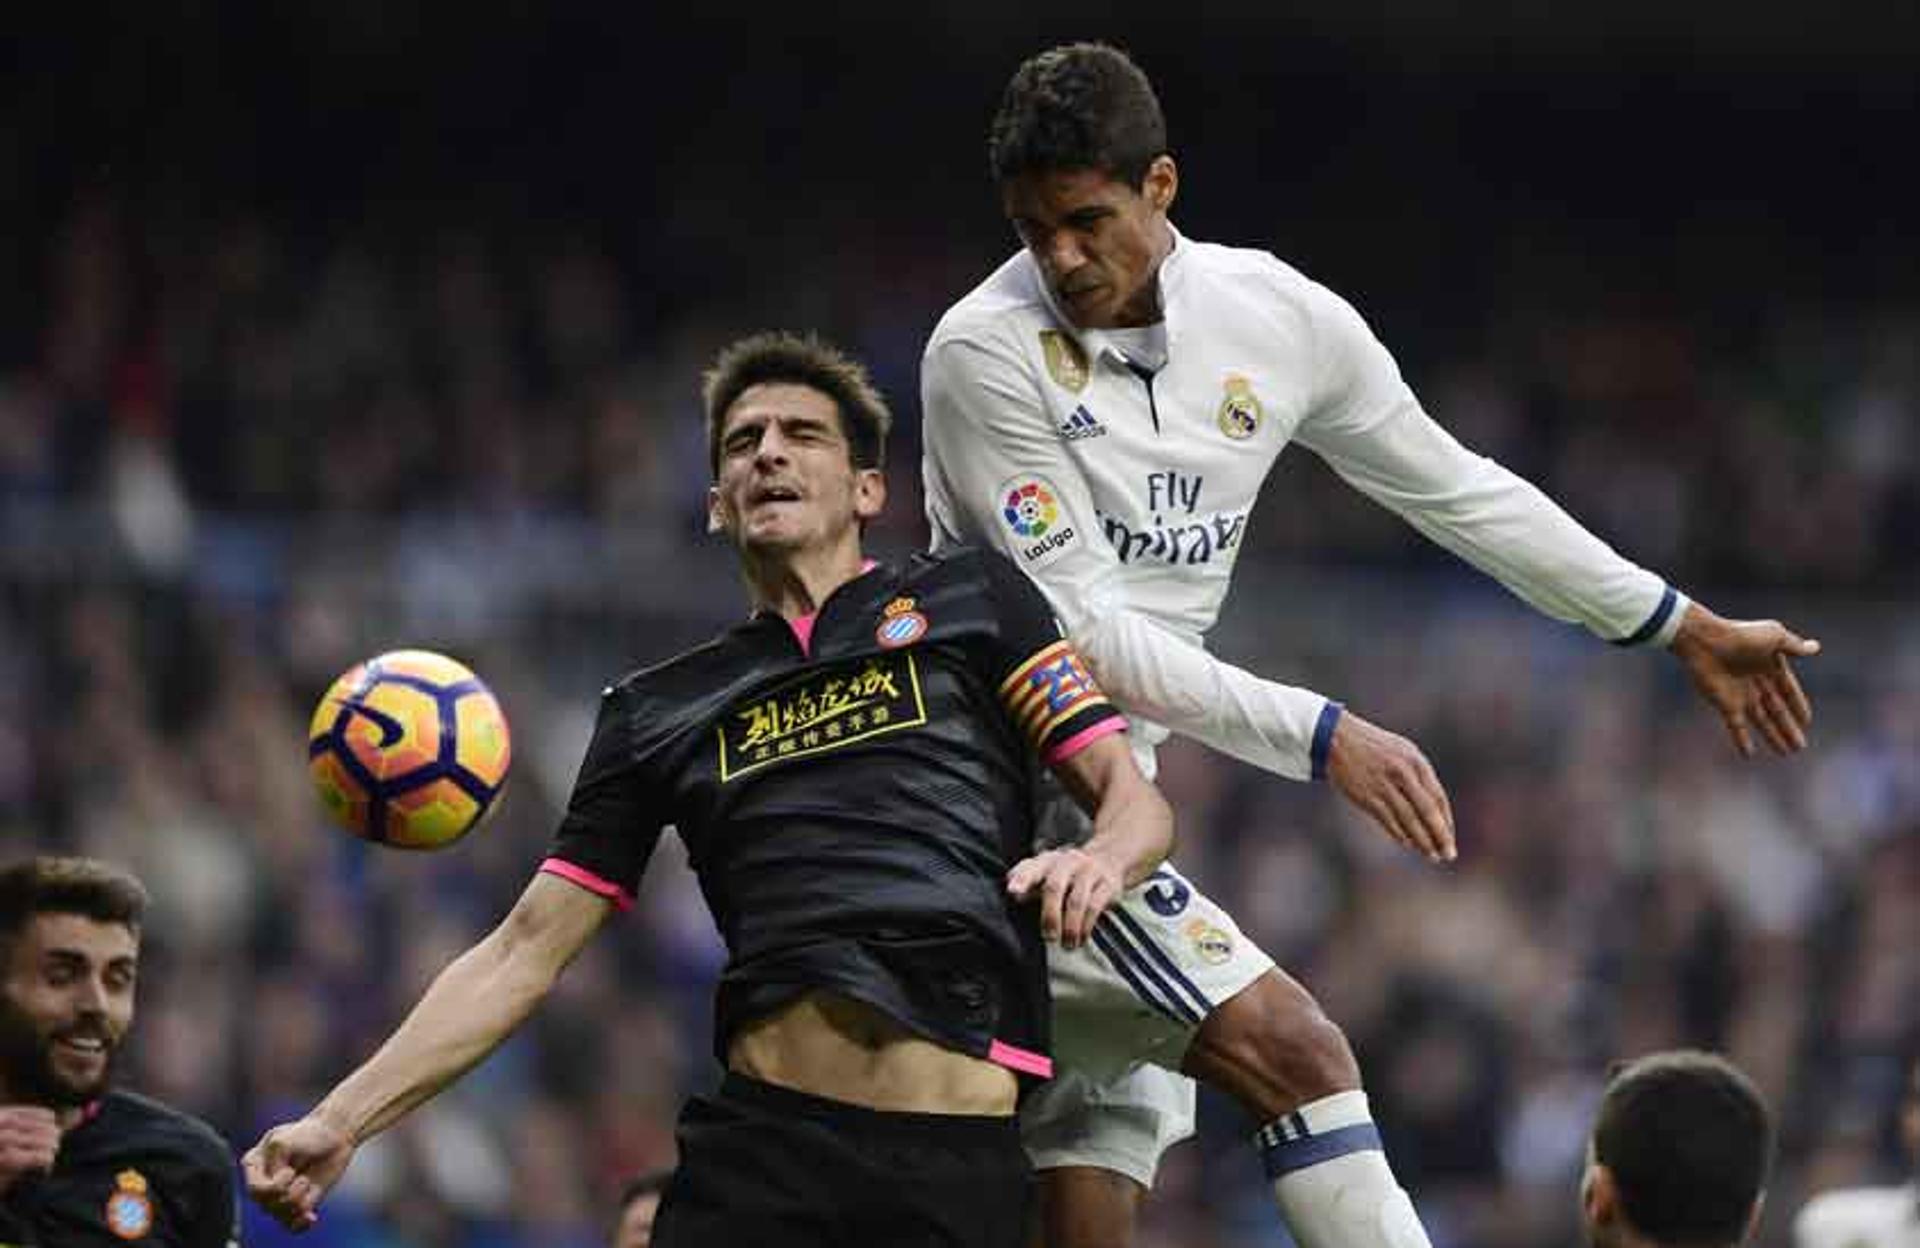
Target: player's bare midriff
x: 830, y: 1046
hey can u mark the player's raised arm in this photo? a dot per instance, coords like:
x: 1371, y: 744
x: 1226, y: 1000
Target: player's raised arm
x: 1370, y: 429
x: 471, y: 1007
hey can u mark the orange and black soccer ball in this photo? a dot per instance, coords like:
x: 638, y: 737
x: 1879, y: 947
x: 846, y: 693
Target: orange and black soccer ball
x: 409, y: 749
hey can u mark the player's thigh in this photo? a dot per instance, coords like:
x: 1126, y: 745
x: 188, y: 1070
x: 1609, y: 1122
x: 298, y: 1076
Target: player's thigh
x: 959, y: 1184
x: 1121, y: 1124
x: 747, y: 1176
x: 1161, y: 960
x: 1272, y: 1048
x: 1086, y: 1207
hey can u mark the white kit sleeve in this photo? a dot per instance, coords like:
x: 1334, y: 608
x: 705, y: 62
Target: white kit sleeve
x: 991, y: 449
x: 1367, y: 425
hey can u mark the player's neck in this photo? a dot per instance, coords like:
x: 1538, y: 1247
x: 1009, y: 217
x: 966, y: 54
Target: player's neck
x: 795, y: 583
x: 1146, y: 308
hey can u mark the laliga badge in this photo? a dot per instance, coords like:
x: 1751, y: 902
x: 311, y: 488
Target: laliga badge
x: 1210, y: 944
x: 1239, y: 411
x: 902, y: 625
x: 129, y: 1212
x: 1066, y: 362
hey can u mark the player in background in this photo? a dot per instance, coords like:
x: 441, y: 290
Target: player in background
x: 1872, y: 1217
x: 83, y: 1165
x: 639, y: 1207
x: 1105, y: 408
x: 1678, y: 1157
x: 851, y: 772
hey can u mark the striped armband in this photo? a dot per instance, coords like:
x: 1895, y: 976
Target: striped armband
x: 1058, y: 707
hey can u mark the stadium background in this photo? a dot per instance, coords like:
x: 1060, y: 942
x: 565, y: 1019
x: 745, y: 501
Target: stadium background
x: 362, y: 325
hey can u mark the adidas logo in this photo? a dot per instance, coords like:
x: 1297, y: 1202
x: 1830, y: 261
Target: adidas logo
x: 1081, y: 424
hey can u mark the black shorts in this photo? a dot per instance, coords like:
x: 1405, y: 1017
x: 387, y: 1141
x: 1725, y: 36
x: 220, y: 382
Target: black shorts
x: 766, y: 1166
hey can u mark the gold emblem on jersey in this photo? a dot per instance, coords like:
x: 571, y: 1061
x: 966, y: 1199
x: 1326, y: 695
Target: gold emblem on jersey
x: 1240, y: 410
x: 822, y: 710
x: 1210, y: 944
x: 899, y: 606
x: 1066, y: 361
x: 129, y: 1211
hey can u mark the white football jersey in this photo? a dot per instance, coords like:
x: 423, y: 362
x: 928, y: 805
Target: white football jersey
x: 1119, y: 469
x: 1861, y: 1217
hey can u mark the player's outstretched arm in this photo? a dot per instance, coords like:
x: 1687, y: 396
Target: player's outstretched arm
x: 1742, y: 669
x: 468, y: 1010
x: 1132, y: 834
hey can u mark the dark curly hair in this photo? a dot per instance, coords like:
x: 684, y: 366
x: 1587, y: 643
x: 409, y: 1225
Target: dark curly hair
x: 1079, y: 106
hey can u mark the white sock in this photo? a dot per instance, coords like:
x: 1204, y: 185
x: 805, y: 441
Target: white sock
x: 1331, y: 1178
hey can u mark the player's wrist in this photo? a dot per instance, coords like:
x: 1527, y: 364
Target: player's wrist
x: 340, y: 1120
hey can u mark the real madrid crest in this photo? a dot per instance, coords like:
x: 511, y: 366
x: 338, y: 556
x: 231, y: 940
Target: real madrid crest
x: 129, y: 1211
x: 1240, y: 410
x: 900, y: 624
x: 1210, y: 944
x: 1066, y: 361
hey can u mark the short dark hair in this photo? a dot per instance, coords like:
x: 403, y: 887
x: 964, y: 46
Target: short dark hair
x: 802, y: 360
x: 51, y: 885
x: 1688, y: 1138
x: 1078, y: 106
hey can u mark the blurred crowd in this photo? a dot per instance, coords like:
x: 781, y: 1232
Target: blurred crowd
x: 236, y: 457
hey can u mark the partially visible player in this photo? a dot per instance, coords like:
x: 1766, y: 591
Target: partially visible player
x: 639, y: 1206
x: 82, y: 1164
x: 1679, y: 1155
x: 1105, y: 408
x: 851, y: 771
x: 1872, y: 1217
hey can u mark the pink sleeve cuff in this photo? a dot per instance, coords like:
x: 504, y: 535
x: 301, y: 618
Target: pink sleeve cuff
x: 586, y: 879
x: 1084, y: 738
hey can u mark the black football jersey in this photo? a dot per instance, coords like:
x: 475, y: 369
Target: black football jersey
x: 132, y: 1171
x: 852, y: 799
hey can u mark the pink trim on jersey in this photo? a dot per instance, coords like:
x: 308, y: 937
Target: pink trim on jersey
x: 588, y: 880
x: 802, y: 626
x: 1026, y: 1062
x: 1084, y: 738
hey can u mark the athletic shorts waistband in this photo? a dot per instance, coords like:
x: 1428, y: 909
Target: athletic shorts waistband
x: 860, y: 1120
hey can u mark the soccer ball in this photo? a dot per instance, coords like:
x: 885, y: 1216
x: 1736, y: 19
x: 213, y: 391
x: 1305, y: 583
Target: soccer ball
x: 408, y: 749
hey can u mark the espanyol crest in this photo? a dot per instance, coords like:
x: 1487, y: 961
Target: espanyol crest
x: 129, y: 1212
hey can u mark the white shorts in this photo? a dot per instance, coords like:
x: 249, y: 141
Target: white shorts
x: 1125, y: 1007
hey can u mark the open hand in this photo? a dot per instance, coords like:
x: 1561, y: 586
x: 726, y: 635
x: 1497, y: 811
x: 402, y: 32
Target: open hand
x: 293, y: 1166
x: 1741, y: 668
x: 1390, y: 780
x: 1074, y: 887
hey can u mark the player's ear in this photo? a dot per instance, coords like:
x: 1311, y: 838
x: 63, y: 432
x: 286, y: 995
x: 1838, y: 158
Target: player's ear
x: 869, y: 493
x: 1753, y: 1219
x: 716, y: 511
x: 1162, y: 183
x: 1599, y: 1200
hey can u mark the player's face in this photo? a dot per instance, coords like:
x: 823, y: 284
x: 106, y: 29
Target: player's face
x: 636, y: 1222
x: 65, y: 1006
x: 787, y: 481
x: 1098, y: 241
